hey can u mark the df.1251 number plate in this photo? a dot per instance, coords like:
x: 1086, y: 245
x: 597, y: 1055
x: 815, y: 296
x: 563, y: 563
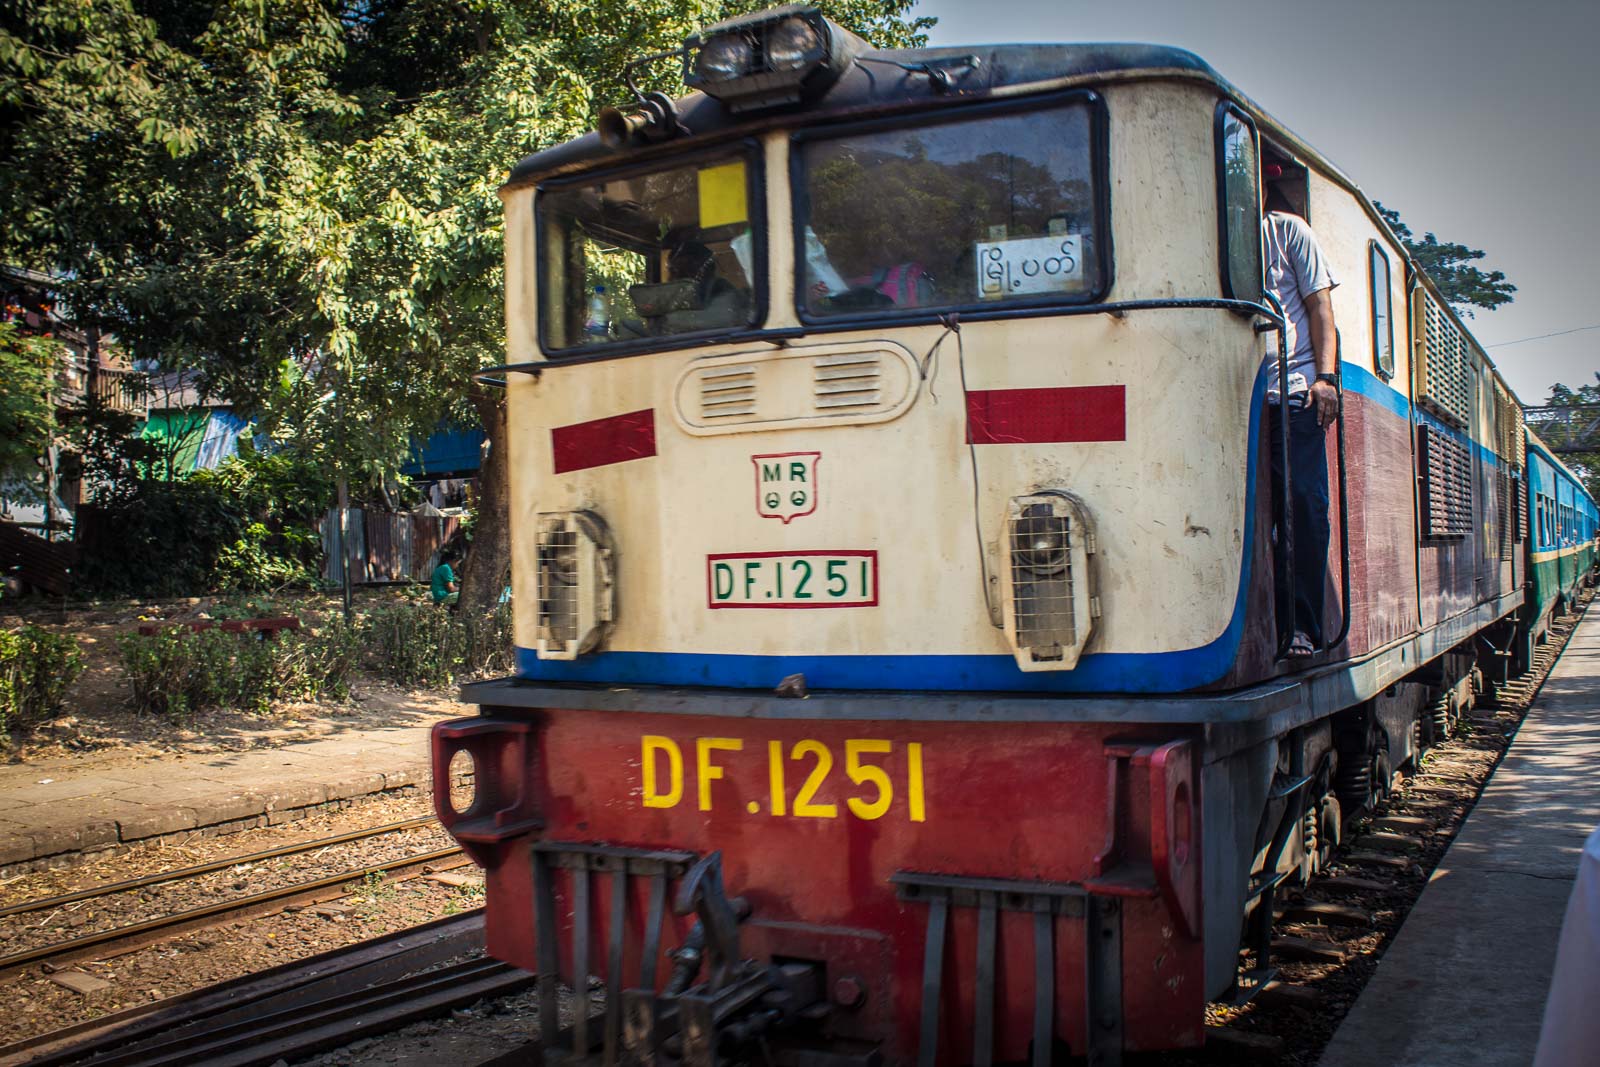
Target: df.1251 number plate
x: 843, y: 579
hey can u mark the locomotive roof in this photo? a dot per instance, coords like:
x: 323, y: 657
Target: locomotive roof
x: 876, y: 81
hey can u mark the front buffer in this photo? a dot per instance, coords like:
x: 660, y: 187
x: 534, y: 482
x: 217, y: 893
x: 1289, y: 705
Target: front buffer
x: 838, y: 891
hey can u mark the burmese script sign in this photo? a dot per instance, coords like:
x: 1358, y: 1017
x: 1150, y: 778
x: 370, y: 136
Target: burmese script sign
x: 1029, y: 265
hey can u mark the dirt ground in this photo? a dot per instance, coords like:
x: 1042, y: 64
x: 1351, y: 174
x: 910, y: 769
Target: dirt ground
x: 98, y: 716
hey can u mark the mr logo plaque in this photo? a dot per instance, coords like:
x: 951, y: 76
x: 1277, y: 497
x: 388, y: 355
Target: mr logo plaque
x: 786, y: 484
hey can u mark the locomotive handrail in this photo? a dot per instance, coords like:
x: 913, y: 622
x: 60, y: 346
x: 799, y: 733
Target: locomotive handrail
x: 1344, y: 511
x: 1283, y: 583
x: 933, y: 318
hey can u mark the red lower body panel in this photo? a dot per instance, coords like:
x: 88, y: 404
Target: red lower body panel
x: 813, y: 819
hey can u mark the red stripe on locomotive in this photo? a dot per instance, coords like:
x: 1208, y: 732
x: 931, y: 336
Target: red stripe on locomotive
x: 1036, y: 416
x: 601, y: 442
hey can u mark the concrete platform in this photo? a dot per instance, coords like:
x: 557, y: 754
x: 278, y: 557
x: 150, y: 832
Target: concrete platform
x: 52, y: 811
x: 1464, y: 983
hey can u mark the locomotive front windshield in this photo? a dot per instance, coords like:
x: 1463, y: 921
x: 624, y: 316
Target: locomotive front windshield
x: 655, y: 254
x: 972, y: 212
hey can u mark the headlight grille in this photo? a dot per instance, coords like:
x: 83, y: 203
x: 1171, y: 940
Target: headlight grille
x: 558, y: 585
x: 1041, y: 575
x: 576, y: 584
x: 1049, y: 604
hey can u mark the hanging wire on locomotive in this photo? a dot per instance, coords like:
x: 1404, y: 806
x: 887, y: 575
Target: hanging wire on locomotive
x: 901, y: 663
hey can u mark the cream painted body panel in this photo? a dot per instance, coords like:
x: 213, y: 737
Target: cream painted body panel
x: 1167, y: 504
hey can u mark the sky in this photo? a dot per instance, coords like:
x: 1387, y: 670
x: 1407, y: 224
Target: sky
x: 1476, y: 120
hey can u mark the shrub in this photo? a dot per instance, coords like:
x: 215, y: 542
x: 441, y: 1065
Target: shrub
x: 36, y: 667
x: 178, y: 673
x: 256, y: 561
x: 313, y: 665
x: 414, y: 644
x: 423, y: 644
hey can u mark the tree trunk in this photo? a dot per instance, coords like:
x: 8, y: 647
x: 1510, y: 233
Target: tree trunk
x: 487, y: 568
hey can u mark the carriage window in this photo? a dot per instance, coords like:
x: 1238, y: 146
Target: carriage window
x: 973, y: 213
x: 1382, y: 319
x: 1239, y: 178
x: 667, y: 252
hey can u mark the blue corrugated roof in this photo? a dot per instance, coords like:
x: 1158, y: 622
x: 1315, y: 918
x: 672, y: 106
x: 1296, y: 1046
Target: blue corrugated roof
x: 448, y: 451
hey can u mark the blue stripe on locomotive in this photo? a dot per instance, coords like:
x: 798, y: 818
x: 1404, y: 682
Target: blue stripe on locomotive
x: 1099, y: 672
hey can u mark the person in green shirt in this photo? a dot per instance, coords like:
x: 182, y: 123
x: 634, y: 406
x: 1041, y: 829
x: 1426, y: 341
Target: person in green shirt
x: 445, y: 586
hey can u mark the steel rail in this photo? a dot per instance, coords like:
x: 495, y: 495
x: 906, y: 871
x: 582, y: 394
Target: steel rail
x: 212, y: 914
x: 44, y: 903
x: 302, y: 982
x: 329, y: 1022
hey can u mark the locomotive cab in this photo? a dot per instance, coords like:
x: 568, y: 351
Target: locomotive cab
x: 898, y: 310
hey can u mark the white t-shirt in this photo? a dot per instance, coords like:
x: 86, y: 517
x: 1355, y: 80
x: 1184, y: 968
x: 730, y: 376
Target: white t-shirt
x: 1295, y: 268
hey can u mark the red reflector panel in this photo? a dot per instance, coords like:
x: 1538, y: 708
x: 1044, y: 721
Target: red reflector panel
x: 601, y: 442
x: 1039, y: 416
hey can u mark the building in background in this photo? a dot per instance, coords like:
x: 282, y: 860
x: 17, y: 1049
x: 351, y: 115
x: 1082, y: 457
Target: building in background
x: 190, y: 429
x: 93, y: 370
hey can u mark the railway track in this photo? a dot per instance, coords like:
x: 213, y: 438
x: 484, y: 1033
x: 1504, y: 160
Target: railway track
x: 292, y: 1011
x: 129, y: 937
x: 163, y: 877
x: 1328, y: 936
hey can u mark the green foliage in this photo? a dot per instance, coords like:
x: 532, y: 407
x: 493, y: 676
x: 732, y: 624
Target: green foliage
x: 250, y: 607
x: 27, y: 413
x: 420, y: 644
x: 299, y: 198
x: 247, y: 526
x: 36, y: 667
x: 178, y: 673
x: 1451, y: 267
x: 317, y: 665
x: 1586, y: 465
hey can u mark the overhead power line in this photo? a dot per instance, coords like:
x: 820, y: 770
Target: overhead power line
x: 1542, y: 336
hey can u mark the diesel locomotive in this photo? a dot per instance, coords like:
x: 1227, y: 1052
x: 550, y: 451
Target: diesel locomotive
x: 901, y: 659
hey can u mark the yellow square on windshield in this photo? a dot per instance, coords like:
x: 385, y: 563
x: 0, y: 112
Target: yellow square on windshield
x: 722, y: 195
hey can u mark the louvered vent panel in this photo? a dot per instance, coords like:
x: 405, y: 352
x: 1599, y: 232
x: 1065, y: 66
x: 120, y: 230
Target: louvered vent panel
x: 1443, y: 364
x: 1505, y: 485
x: 1522, y: 510
x: 726, y: 392
x: 846, y: 382
x: 1521, y: 453
x: 1506, y: 423
x: 1446, y: 485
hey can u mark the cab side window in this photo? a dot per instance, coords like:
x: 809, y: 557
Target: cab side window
x: 1238, y: 182
x: 1382, y: 311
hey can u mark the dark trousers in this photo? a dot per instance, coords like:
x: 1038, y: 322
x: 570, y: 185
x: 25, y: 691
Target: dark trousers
x: 1308, y: 464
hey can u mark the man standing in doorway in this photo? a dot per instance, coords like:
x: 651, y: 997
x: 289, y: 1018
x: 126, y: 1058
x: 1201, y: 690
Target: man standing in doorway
x: 1298, y: 275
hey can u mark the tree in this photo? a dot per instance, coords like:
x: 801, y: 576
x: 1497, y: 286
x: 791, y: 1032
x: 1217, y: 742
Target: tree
x: 27, y: 409
x: 1560, y: 433
x: 1451, y: 267
x: 298, y: 198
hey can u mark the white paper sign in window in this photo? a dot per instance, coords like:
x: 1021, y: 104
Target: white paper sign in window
x: 1029, y: 265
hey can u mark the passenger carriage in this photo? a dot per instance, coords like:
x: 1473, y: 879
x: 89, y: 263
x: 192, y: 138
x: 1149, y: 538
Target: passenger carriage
x: 897, y: 631
x: 1561, y: 524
